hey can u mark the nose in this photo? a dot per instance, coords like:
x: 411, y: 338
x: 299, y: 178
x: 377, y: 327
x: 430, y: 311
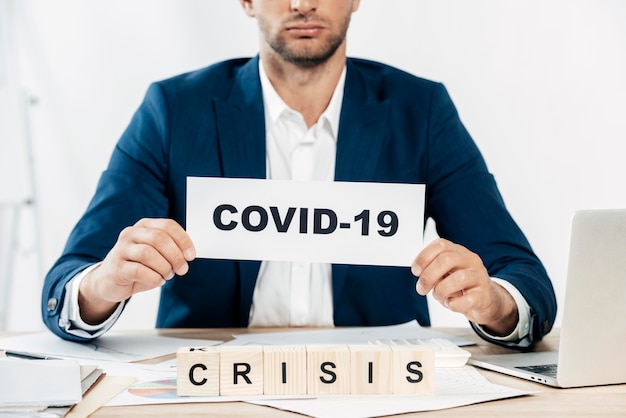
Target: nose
x: 303, y: 6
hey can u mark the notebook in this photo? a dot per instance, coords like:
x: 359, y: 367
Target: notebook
x: 593, y: 330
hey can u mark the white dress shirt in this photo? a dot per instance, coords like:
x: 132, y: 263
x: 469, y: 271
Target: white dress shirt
x: 296, y: 294
x: 286, y: 293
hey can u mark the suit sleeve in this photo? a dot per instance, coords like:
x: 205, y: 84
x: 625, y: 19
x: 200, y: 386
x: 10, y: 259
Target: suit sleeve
x: 464, y: 201
x: 132, y: 187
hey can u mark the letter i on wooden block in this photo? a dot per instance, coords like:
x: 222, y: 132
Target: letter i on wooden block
x: 413, y: 370
x: 328, y: 369
x: 284, y: 370
x: 370, y: 369
x: 197, y: 371
x: 241, y: 370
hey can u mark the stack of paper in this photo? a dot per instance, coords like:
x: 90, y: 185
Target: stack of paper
x: 89, y: 374
x: 39, y: 382
x: 54, y: 386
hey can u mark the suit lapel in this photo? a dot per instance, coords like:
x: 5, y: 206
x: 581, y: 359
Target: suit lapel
x: 362, y: 126
x: 241, y: 136
x: 241, y: 126
x: 361, y: 138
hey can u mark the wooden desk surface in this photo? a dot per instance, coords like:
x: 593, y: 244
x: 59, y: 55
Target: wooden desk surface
x: 585, y: 402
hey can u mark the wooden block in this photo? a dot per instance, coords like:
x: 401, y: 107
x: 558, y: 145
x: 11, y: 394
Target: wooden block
x: 197, y: 371
x: 241, y: 370
x: 370, y: 369
x: 284, y: 370
x: 413, y: 370
x: 328, y: 369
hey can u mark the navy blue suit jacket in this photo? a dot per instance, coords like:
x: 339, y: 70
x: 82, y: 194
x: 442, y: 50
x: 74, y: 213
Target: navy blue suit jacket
x: 394, y: 127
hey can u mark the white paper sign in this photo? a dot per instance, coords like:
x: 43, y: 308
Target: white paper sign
x: 317, y: 221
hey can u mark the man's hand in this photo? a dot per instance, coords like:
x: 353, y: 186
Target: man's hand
x: 460, y: 282
x: 145, y: 256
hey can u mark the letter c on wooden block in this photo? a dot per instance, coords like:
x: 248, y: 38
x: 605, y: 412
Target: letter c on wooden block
x: 197, y: 371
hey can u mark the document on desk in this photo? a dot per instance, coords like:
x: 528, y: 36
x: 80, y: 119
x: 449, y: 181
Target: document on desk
x: 39, y: 382
x: 113, y: 346
x: 453, y: 388
x: 358, y: 335
x: 156, y: 384
x: 316, y: 221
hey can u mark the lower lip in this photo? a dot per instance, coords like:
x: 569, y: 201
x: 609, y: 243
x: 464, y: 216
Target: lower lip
x: 302, y: 32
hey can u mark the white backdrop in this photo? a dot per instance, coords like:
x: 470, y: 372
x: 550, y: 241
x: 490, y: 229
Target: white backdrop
x: 539, y: 84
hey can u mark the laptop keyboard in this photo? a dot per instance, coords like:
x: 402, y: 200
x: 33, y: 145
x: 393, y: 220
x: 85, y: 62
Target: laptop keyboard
x: 543, y: 369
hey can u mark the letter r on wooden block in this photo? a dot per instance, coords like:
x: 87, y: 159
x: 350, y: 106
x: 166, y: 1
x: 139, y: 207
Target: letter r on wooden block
x: 284, y: 370
x: 413, y: 370
x: 328, y: 369
x: 241, y: 370
x: 197, y: 371
x: 370, y: 369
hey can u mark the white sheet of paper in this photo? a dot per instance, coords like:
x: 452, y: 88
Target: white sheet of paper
x: 39, y: 382
x: 317, y: 221
x: 359, y: 335
x: 110, y: 347
x: 156, y: 384
x: 453, y: 387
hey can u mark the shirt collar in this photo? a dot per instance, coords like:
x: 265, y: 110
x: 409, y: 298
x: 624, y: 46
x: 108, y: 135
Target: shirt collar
x: 275, y: 106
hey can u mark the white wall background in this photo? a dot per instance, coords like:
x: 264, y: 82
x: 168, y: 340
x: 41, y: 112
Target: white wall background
x: 539, y: 84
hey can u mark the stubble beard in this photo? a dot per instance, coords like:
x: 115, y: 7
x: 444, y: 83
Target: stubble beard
x: 307, y: 56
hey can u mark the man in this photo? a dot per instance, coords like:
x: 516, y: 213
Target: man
x: 300, y: 110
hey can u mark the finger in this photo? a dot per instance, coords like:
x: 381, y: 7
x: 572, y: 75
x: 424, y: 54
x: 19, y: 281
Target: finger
x: 428, y: 254
x: 470, y: 303
x: 162, y: 242
x: 141, y: 276
x: 423, y: 260
x: 460, y: 301
x: 452, y: 300
x: 151, y: 258
x: 151, y: 247
x: 175, y: 231
x: 439, y: 269
x: 139, y: 287
x: 443, y: 297
x: 454, y: 284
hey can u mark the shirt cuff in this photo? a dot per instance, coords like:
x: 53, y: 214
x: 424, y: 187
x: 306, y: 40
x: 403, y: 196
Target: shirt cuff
x: 70, y: 320
x: 523, y: 325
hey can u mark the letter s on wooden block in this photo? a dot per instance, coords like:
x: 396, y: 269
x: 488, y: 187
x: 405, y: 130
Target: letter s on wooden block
x: 413, y: 370
x: 284, y: 370
x: 328, y: 369
x: 241, y: 370
x: 197, y: 371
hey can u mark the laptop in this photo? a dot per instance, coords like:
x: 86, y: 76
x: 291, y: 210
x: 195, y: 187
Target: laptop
x: 593, y: 330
